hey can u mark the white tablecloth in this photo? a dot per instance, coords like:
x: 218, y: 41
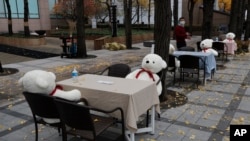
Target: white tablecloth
x: 135, y: 97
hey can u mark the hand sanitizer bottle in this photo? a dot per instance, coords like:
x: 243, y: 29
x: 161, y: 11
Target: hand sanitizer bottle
x: 74, y: 75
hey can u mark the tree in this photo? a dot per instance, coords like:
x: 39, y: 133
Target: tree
x: 237, y: 15
x: 26, y: 19
x: 175, y: 15
x: 162, y: 31
x: 247, y: 22
x: 207, y: 24
x: 127, y: 6
x: 191, y: 4
x: 81, y: 45
x: 9, y: 17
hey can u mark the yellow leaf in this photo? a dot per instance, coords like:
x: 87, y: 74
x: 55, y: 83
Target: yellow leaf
x: 181, y: 132
x: 192, y: 137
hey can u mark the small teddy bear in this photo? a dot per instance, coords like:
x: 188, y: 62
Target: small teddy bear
x: 206, y: 46
x: 229, y: 38
x: 40, y: 81
x: 171, y: 51
x: 151, y: 64
x: 230, y: 43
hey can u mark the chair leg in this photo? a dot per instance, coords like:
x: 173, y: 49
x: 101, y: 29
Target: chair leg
x: 147, y: 118
x: 36, y: 128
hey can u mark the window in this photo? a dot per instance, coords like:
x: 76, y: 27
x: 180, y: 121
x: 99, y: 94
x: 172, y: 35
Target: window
x: 17, y: 9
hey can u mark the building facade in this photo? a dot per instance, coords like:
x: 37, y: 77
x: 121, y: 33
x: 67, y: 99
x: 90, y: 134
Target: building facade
x: 41, y: 15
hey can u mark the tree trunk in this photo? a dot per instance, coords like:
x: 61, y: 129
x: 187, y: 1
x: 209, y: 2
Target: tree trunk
x: 149, y: 11
x: 233, y: 16
x: 237, y: 17
x: 191, y: 4
x: 175, y: 15
x: 128, y: 26
x: 207, y: 25
x: 240, y: 19
x: 26, y: 19
x: 9, y: 18
x: 247, y: 24
x: 137, y: 12
x: 162, y: 34
x: 81, y: 45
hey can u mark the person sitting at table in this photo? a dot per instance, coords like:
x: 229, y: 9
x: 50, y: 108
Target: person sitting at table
x: 206, y: 46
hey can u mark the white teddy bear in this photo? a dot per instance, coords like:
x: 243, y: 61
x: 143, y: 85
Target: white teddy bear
x: 151, y: 64
x: 229, y: 38
x: 171, y: 51
x: 40, y: 81
x: 230, y: 43
x: 206, y: 46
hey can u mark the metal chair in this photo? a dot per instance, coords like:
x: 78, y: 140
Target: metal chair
x: 191, y: 65
x: 117, y: 70
x: 198, y: 46
x: 42, y: 106
x: 77, y: 120
x: 172, y: 66
x: 221, y: 49
x: 186, y: 49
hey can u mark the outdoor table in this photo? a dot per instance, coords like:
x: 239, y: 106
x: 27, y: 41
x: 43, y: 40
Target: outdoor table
x: 135, y: 97
x: 208, y: 57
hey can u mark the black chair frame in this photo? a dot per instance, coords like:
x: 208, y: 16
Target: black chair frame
x: 221, y: 48
x: 117, y: 70
x: 82, y: 123
x: 42, y: 106
x: 191, y: 65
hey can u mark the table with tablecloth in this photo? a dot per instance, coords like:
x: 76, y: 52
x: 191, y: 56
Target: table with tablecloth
x: 135, y: 97
x: 208, y: 57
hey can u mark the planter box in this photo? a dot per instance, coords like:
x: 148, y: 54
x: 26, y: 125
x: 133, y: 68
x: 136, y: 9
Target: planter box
x: 18, y: 42
x: 98, y: 43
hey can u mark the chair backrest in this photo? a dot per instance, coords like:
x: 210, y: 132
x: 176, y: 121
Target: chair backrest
x: 186, y: 49
x: 171, y: 60
x: 189, y: 61
x: 41, y: 105
x: 118, y: 70
x: 75, y: 115
x: 219, y: 46
x: 198, y: 46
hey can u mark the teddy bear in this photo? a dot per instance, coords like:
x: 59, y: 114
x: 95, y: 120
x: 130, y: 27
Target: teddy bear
x: 151, y: 64
x: 40, y: 81
x: 171, y: 51
x: 230, y: 42
x: 206, y: 46
x: 229, y: 38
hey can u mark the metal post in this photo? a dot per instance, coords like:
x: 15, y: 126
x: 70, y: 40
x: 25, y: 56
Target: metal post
x: 114, y: 21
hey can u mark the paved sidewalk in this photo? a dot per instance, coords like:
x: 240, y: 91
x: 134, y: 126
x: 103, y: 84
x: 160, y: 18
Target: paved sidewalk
x: 205, y: 117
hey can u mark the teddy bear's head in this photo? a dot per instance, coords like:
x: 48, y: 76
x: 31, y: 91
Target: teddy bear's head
x: 206, y: 43
x: 38, y: 81
x: 171, y: 49
x: 153, y: 63
x: 230, y: 36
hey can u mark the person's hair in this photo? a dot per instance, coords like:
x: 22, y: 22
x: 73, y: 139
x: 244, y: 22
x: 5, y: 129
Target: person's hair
x: 181, y: 18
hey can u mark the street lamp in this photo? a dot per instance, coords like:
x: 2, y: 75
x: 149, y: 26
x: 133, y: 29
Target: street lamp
x: 113, y: 19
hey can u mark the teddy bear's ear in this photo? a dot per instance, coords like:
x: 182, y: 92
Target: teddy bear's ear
x: 163, y: 64
x: 52, y: 75
x: 42, y: 83
x: 20, y: 81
